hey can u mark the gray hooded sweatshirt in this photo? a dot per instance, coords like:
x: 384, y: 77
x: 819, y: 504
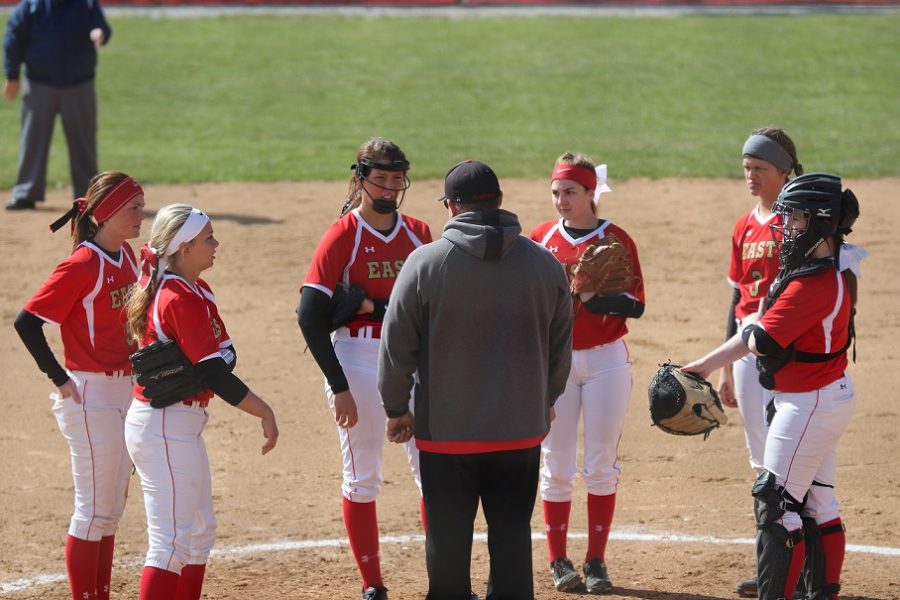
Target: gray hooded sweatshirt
x: 481, y: 321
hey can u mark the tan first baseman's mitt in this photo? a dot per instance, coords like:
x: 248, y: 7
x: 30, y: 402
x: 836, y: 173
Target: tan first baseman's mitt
x: 684, y: 404
x: 605, y: 269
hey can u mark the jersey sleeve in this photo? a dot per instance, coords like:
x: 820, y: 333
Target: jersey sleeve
x: 537, y: 234
x: 69, y: 282
x: 330, y: 259
x: 423, y: 231
x: 637, y: 287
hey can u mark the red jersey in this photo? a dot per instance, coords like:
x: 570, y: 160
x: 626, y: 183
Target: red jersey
x: 187, y: 314
x: 85, y: 297
x: 754, y: 260
x: 813, y: 313
x: 591, y: 329
x: 353, y: 252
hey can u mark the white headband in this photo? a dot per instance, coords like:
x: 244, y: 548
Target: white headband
x: 190, y: 229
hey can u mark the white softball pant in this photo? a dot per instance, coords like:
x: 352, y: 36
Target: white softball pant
x: 802, y: 447
x: 169, y: 453
x: 101, y: 468
x: 362, y: 446
x: 752, y: 399
x: 598, y: 388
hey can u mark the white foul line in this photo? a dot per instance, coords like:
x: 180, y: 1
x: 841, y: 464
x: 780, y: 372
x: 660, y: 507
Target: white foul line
x: 288, y: 545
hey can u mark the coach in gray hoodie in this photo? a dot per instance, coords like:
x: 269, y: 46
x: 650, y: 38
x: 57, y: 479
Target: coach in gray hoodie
x: 480, y: 323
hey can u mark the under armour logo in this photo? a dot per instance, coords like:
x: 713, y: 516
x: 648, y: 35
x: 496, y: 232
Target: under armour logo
x: 843, y: 386
x: 110, y: 279
x: 553, y: 249
x: 369, y: 249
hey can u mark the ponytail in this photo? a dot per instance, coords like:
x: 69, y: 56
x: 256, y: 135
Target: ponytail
x: 166, y: 225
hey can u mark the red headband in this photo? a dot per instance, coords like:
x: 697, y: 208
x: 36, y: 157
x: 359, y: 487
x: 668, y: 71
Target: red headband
x: 577, y: 173
x: 125, y: 191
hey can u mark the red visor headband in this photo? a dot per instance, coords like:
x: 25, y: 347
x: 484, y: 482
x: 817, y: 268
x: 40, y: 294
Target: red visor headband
x: 119, y: 196
x: 583, y: 175
x: 109, y: 205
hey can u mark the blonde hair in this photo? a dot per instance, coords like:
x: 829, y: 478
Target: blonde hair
x: 168, y: 221
x: 99, y: 186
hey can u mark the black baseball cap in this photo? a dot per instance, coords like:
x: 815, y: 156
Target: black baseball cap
x: 470, y: 182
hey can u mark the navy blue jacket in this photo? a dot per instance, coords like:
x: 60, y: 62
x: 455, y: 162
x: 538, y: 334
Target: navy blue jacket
x: 52, y: 38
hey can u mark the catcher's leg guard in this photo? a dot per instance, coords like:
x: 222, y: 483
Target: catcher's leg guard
x: 777, y: 550
x: 813, y: 577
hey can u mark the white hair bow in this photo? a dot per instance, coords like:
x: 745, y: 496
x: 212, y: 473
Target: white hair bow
x: 601, y: 183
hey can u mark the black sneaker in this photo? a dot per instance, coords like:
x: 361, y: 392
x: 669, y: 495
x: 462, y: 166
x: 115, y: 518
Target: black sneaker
x: 596, y: 578
x: 747, y: 588
x: 14, y: 204
x: 375, y: 593
x: 565, y: 578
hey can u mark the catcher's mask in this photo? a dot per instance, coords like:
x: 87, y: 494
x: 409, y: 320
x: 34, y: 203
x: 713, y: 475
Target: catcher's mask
x: 394, y: 162
x: 812, y: 208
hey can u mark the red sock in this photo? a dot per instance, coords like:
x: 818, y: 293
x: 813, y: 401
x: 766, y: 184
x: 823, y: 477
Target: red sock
x: 104, y: 566
x: 81, y: 565
x: 158, y: 584
x: 793, y: 574
x: 600, y: 517
x: 190, y: 583
x: 423, y: 515
x: 834, y: 544
x: 361, y: 522
x: 556, y: 524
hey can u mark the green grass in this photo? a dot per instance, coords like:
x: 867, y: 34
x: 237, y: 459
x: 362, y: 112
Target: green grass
x: 264, y: 98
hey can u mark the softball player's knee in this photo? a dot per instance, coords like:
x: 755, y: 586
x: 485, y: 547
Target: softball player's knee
x: 822, y: 503
x: 774, y: 505
x: 202, y: 543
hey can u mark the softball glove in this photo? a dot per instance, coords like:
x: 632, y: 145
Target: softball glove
x: 684, y: 404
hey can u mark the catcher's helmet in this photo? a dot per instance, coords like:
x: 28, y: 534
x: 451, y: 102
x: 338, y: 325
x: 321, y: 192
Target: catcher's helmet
x: 825, y: 208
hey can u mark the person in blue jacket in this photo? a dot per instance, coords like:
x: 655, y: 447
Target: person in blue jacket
x: 57, y: 40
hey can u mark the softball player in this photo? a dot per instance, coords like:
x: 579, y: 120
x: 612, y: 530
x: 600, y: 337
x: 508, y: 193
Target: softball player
x: 166, y: 444
x: 366, y: 247
x: 599, y: 384
x: 801, y: 335
x: 769, y: 158
x: 85, y: 298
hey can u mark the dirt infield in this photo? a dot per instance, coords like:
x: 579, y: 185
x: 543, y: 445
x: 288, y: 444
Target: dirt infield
x: 684, y: 515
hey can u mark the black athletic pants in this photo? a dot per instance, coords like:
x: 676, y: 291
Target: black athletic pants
x: 506, y: 484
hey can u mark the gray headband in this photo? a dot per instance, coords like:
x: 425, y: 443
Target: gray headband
x: 767, y: 149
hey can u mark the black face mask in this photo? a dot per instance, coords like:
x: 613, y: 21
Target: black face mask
x: 384, y: 207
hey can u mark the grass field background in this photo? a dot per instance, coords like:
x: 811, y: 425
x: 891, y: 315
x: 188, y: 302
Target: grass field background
x: 273, y: 98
